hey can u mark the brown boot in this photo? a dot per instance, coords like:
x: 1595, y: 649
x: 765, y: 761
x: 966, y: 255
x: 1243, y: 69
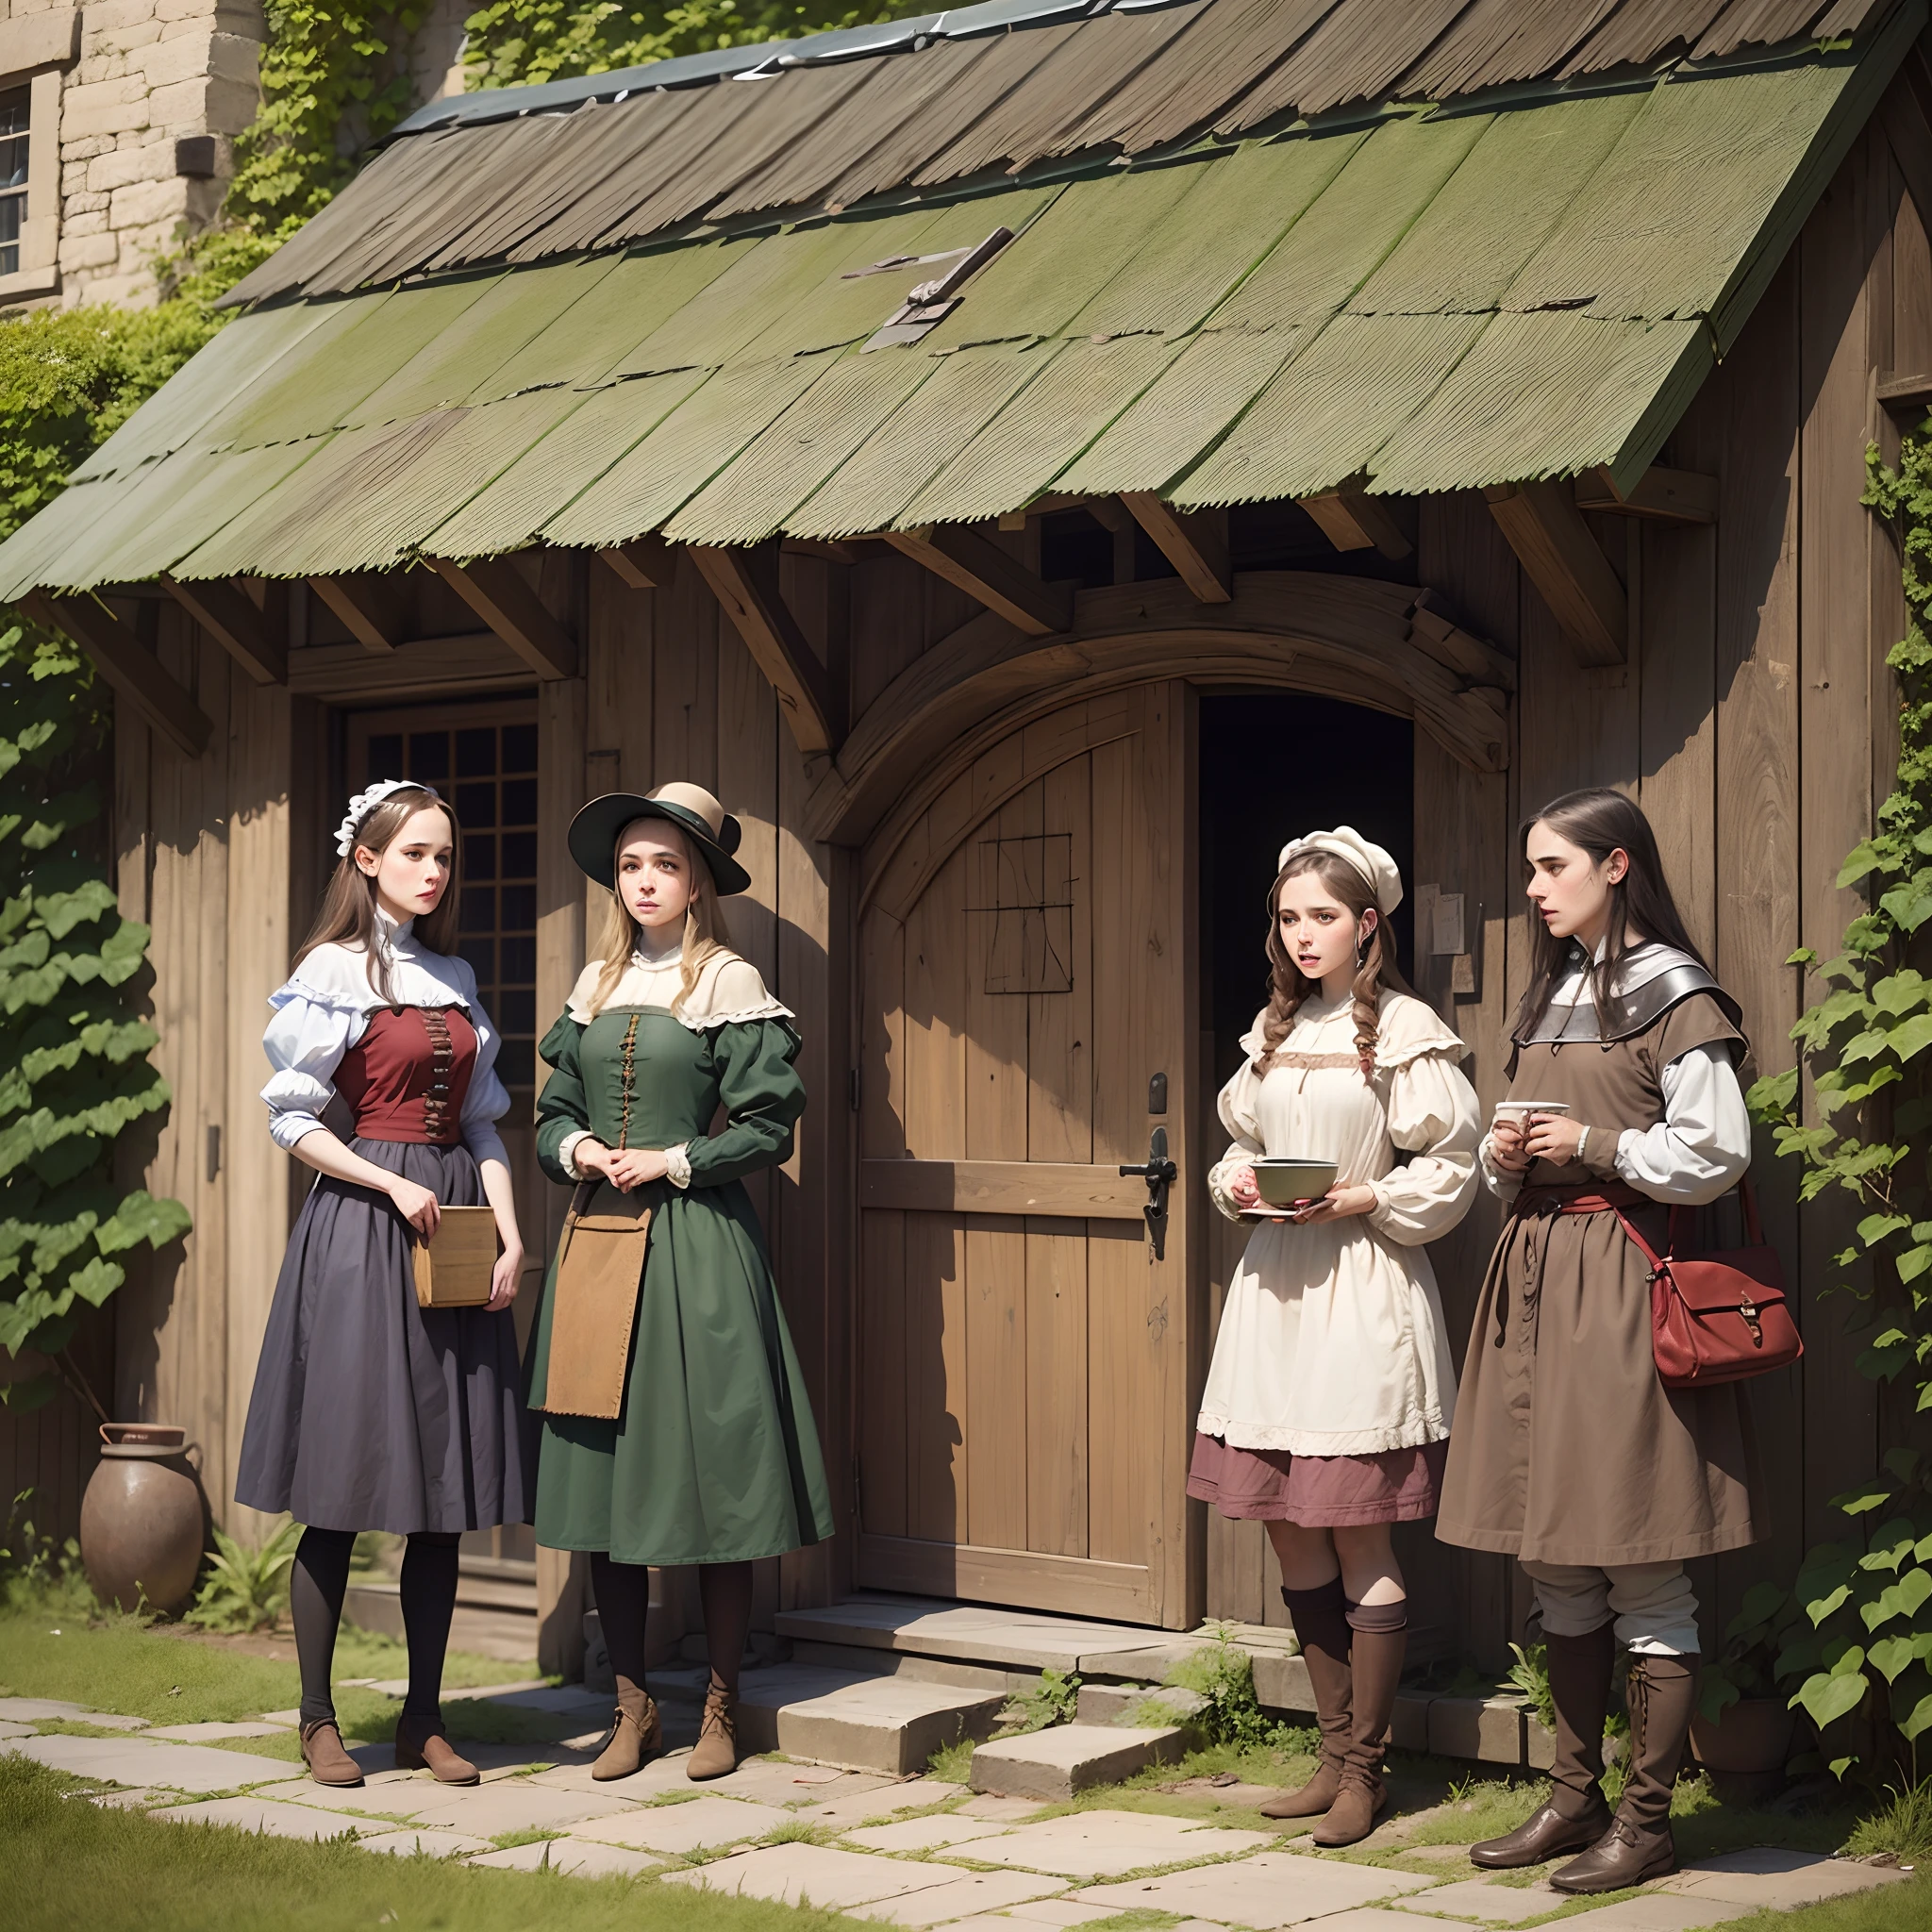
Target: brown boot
x: 1576, y: 1815
x: 1376, y: 1665
x: 717, y: 1746
x: 1321, y: 1622
x: 1638, y: 1845
x: 322, y: 1753
x: 636, y: 1732
x: 422, y: 1746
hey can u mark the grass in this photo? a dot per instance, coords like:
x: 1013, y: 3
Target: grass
x: 1901, y: 1825
x: 1886, y: 1909
x: 952, y: 1762
x: 75, y: 1866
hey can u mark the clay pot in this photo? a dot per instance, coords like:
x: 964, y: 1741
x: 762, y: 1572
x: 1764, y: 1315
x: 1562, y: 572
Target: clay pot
x: 1745, y: 1750
x: 142, y: 1518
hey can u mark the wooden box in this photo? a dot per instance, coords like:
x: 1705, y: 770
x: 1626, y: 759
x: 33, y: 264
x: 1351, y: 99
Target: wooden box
x: 453, y: 1268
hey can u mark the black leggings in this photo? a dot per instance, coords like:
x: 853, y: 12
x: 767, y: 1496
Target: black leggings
x: 624, y: 1600
x: 317, y: 1586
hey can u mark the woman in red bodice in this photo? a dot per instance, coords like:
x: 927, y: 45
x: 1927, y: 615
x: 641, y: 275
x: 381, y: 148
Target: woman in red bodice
x: 370, y: 1412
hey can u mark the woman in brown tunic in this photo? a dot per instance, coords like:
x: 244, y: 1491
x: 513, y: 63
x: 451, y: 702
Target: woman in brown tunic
x: 1569, y: 1452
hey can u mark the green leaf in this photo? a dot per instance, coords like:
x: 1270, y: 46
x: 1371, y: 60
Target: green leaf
x: 1826, y: 1699
x: 1867, y: 1496
x: 1904, y: 1598
x: 1910, y: 1037
x: 1874, y: 1227
x: 1916, y: 1723
x: 1894, y: 1654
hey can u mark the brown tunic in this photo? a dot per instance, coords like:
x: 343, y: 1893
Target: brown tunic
x: 1567, y: 1448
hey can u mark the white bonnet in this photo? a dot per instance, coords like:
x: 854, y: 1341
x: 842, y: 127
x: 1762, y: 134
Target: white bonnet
x: 365, y: 802
x: 1369, y: 860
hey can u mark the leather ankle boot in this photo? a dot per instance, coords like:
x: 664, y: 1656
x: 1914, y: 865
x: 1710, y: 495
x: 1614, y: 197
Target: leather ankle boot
x: 1321, y: 1622
x: 717, y: 1746
x: 421, y: 1745
x: 1576, y: 1815
x: 1376, y: 1665
x: 636, y: 1731
x: 1638, y: 1845
x: 322, y: 1753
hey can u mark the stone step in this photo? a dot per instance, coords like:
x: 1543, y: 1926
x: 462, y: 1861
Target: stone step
x: 503, y: 1623
x: 1067, y: 1760
x: 1120, y: 1704
x: 976, y: 1634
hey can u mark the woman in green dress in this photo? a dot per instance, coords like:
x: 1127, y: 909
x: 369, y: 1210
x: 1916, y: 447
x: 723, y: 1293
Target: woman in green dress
x: 711, y: 1457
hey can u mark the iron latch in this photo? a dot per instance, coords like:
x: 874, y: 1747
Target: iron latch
x: 1160, y: 1174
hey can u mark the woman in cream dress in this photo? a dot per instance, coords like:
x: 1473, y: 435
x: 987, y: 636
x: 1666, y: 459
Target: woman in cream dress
x: 1329, y: 1397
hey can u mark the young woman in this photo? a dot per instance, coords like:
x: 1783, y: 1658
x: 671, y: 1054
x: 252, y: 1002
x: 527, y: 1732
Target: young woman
x: 1569, y: 1452
x: 1330, y: 1396
x: 370, y: 1412
x: 712, y: 1458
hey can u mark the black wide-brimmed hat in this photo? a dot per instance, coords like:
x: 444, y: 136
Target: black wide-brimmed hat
x: 713, y: 831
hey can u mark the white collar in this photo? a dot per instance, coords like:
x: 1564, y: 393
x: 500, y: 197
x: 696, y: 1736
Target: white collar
x: 337, y: 976
x: 646, y: 962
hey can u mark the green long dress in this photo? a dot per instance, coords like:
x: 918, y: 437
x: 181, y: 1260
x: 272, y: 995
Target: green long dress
x: 714, y: 1457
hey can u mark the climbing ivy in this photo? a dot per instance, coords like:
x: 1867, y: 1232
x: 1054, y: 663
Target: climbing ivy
x: 1859, y: 1655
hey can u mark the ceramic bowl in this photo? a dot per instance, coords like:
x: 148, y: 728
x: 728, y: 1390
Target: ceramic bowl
x: 1283, y: 1180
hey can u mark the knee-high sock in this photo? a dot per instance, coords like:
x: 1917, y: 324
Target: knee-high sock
x: 429, y: 1598
x: 316, y: 1586
x: 624, y: 1601
x: 724, y: 1589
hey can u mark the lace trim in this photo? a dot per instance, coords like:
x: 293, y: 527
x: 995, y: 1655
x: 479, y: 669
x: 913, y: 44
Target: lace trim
x: 693, y: 1022
x: 1416, y: 1430
x: 1451, y: 1049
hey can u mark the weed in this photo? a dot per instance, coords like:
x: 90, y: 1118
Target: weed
x: 952, y: 1763
x: 1054, y: 1701
x: 1901, y: 1825
x: 799, y: 1831
x: 509, y: 1840
x: 1530, y: 1674
x: 246, y: 1589
x: 1223, y: 1676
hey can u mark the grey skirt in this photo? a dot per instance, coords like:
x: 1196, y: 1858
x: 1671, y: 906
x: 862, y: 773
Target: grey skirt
x: 370, y: 1412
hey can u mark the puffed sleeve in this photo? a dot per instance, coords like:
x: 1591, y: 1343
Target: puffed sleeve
x: 1702, y: 1146
x: 1433, y: 1118
x: 1238, y: 1107
x: 763, y: 1096
x: 308, y: 1034
x: 563, y: 1114
x: 488, y: 1099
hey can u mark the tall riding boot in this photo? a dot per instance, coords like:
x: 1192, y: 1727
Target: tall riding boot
x: 1576, y: 1815
x: 1381, y: 1639
x: 1321, y: 1622
x: 1638, y: 1846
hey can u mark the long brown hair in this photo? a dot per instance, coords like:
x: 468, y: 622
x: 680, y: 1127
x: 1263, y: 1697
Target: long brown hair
x: 348, y: 906
x: 1289, y: 986
x: 1599, y: 821
x: 705, y: 931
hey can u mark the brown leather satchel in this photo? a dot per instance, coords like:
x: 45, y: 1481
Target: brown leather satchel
x: 1722, y: 1317
x: 600, y: 1274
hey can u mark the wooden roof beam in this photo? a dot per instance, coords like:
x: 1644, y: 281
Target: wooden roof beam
x: 745, y: 582
x: 1675, y: 497
x: 645, y: 563
x: 498, y: 592
x: 1194, y: 542
x: 1543, y: 526
x: 1353, y: 520
x: 978, y: 566
x: 368, y: 606
x: 132, y: 671
x: 233, y: 619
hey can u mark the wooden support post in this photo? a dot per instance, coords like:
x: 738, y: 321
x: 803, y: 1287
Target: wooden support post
x: 1194, y: 542
x: 231, y: 616
x: 1542, y: 525
x: 1353, y: 520
x: 1675, y: 497
x: 645, y: 563
x: 131, y: 668
x: 1449, y: 644
x: 497, y: 591
x: 745, y: 583
x: 979, y: 567
x: 368, y: 606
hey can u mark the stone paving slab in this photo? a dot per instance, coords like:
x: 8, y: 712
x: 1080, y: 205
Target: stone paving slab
x: 1060, y: 1912
x: 10, y: 1729
x: 1006, y: 1810
x: 923, y: 1834
x: 1781, y: 1881
x: 37, y: 1710
x: 574, y: 1857
x: 400, y: 1792
x: 1485, y: 1899
x: 136, y: 1761
x: 858, y: 1808
x: 515, y: 1805
x: 652, y: 1780
x: 410, y: 1842
x: 766, y: 1782
x: 136, y: 1800
x: 1096, y: 1844
x: 879, y: 1724
x: 1069, y: 1758
x: 712, y: 1822
x: 836, y: 1880
x: 974, y: 1893
x: 1658, y: 1911
x: 1365, y: 1919
x: 255, y: 1814
x: 1274, y: 1889
x: 207, y: 1734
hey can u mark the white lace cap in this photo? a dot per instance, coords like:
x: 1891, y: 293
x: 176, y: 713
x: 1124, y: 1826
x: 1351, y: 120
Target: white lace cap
x: 365, y: 802
x: 1370, y: 861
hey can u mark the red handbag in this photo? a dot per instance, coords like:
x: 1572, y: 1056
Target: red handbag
x: 1717, y: 1318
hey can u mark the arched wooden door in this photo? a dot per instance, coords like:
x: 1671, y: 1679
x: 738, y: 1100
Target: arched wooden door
x: 1028, y: 969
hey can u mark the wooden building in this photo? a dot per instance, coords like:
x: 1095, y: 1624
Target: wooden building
x: 1029, y: 464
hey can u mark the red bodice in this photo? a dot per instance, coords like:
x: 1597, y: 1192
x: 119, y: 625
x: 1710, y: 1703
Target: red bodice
x: 407, y: 1078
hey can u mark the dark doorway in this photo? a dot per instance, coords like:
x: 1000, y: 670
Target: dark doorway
x: 1272, y: 765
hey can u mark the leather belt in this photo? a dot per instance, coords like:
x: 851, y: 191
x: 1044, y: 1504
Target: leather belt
x: 1538, y: 1206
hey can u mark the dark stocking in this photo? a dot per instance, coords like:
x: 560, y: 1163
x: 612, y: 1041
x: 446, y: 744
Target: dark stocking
x: 429, y: 1598
x: 316, y: 1587
x: 623, y: 1601
x: 724, y: 1591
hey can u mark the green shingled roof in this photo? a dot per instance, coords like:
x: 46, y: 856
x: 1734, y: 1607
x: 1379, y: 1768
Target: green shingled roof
x: 1431, y: 299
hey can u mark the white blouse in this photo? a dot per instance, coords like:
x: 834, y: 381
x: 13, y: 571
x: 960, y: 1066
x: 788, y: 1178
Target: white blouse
x: 324, y: 1009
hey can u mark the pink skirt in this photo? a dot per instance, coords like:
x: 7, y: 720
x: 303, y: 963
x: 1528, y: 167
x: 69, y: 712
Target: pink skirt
x: 1317, y: 1492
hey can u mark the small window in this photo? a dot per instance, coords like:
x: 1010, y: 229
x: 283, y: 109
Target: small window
x: 13, y: 148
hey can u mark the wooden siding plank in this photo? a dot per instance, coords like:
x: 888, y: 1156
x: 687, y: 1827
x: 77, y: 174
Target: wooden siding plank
x: 1001, y: 1186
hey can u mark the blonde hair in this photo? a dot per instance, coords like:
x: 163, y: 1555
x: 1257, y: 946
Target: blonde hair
x: 705, y: 931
